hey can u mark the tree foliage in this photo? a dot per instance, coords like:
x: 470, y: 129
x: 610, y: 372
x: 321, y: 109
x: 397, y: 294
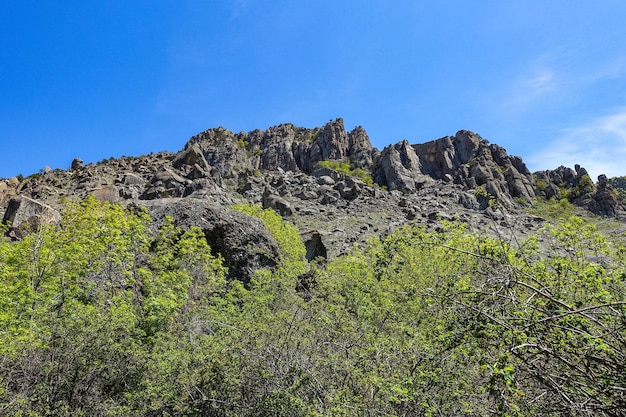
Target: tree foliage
x: 345, y: 167
x: 101, y: 317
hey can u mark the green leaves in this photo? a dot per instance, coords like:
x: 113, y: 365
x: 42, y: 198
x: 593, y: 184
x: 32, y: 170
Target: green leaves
x: 345, y: 167
x: 84, y: 301
x: 99, y: 316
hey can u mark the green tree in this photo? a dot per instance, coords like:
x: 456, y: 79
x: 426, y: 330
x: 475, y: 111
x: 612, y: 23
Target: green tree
x: 85, y: 302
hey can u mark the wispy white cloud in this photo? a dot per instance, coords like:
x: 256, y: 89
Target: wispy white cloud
x: 598, y: 145
x: 611, y: 69
x: 538, y: 82
x: 541, y: 81
x: 557, y: 79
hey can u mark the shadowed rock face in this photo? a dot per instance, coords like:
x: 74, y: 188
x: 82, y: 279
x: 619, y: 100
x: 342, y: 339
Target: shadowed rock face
x: 25, y: 215
x: 243, y: 241
x: 315, y: 248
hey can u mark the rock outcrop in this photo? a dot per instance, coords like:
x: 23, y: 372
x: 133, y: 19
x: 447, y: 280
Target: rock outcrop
x: 23, y: 215
x: 464, y: 159
x: 325, y: 179
x: 243, y: 241
x: 576, y: 186
x: 286, y: 146
x: 605, y: 200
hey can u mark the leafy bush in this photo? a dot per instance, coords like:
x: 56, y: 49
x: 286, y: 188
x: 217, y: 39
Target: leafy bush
x: 541, y: 185
x: 552, y: 209
x: 619, y: 184
x: 285, y: 234
x: 85, y: 306
x: 344, y: 167
x: 100, y: 317
x: 584, y: 186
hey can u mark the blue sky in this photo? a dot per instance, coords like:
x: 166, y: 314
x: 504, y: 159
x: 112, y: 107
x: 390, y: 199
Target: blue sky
x: 95, y: 79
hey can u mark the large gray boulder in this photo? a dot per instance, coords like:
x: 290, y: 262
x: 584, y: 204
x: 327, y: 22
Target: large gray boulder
x: 191, y: 156
x: 243, y: 241
x: 24, y: 215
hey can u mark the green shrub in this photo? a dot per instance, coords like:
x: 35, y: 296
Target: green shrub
x: 541, y: 185
x: 286, y: 234
x: 585, y: 185
x: 99, y: 316
x: 344, y: 167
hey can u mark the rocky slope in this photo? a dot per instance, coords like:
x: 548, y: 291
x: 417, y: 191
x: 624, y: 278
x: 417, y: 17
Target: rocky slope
x: 331, y: 183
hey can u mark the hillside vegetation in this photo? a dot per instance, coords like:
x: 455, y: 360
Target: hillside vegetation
x: 99, y: 316
x: 619, y: 184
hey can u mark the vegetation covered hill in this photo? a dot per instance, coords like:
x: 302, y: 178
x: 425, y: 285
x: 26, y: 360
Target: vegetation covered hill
x: 102, y: 315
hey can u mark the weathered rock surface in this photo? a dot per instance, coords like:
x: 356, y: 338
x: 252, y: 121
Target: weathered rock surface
x: 24, y: 215
x: 464, y: 159
x: 605, y: 201
x: 243, y: 241
x: 285, y: 146
x: 576, y: 185
x: 460, y: 177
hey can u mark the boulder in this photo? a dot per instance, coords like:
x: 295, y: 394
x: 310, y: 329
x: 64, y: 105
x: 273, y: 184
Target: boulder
x: 277, y: 203
x: 77, y: 163
x: 165, y: 183
x: 132, y: 179
x: 325, y: 180
x: 191, y: 156
x: 108, y: 194
x: 24, y: 215
x: 243, y: 241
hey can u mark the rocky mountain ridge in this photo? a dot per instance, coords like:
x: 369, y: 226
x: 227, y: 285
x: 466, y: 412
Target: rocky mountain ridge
x: 332, y: 183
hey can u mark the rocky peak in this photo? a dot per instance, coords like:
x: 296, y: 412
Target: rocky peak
x: 285, y: 146
x: 330, y: 143
x: 564, y: 182
x: 446, y: 155
x: 464, y: 159
x: 605, y: 201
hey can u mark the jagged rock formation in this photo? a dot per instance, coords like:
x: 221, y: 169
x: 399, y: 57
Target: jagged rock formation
x: 366, y: 192
x: 605, y: 200
x: 286, y: 147
x: 576, y: 185
x: 464, y: 159
x: 554, y: 183
x: 619, y: 185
